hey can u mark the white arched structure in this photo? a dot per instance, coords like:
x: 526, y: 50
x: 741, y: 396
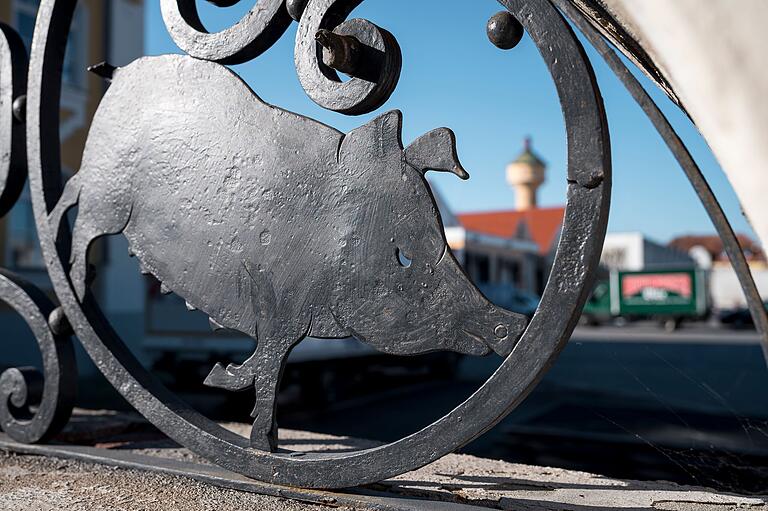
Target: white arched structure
x: 710, y: 57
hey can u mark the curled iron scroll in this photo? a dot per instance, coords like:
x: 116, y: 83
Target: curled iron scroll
x: 255, y: 33
x: 373, y: 62
x: 575, y: 263
x: 53, y: 391
x: 371, y: 84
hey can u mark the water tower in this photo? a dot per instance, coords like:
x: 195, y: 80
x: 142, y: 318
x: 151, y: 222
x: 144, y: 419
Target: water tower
x: 525, y: 174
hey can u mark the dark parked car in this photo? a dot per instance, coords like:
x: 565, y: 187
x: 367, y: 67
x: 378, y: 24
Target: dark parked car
x: 511, y: 298
x: 737, y: 318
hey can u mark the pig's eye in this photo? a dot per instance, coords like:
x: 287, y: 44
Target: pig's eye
x: 403, y: 258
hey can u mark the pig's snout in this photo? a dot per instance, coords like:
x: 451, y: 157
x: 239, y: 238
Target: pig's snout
x: 494, y: 329
x: 507, y: 330
x: 480, y: 326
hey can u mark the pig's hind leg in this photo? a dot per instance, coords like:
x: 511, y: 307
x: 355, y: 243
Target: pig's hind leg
x: 69, y: 197
x: 98, y: 214
x: 95, y: 217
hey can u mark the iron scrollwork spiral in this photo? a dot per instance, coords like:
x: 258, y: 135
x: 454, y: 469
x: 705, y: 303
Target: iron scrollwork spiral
x: 259, y: 29
x: 366, y: 52
x: 52, y: 393
x: 33, y: 406
x: 325, y: 43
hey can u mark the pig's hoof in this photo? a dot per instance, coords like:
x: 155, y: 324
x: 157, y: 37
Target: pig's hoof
x: 263, y: 441
x: 222, y: 378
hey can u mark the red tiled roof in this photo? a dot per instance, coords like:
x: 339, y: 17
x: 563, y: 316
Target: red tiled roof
x: 714, y: 245
x: 543, y: 224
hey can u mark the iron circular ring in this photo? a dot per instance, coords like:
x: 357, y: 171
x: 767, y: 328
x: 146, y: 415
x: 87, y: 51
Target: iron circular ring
x: 575, y: 263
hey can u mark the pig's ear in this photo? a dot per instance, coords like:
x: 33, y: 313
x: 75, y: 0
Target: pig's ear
x: 435, y: 150
x: 380, y: 136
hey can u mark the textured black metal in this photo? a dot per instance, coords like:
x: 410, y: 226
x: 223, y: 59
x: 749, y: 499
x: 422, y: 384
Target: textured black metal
x: 58, y: 322
x: 687, y: 164
x: 297, y: 228
x: 13, y: 79
x: 224, y: 3
x: 20, y: 111
x: 340, y: 52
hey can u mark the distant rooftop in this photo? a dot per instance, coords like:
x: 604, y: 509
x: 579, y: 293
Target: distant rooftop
x: 542, y: 224
x: 714, y: 245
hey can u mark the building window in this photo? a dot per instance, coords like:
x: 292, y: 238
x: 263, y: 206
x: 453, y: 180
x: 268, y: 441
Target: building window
x: 75, y: 58
x: 509, y: 273
x: 26, y: 11
x: 77, y: 44
x: 479, y: 268
x: 23, y: 252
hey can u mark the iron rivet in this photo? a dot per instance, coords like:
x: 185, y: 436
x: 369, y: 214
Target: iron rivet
x: 295, y: 8
x: 20, y: 108
x: 504, y: 31
x: 223, y: 3
x: 58, y: 322
x: 500, y: 331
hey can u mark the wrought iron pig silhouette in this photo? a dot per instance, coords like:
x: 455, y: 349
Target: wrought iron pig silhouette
x: 274, y: 224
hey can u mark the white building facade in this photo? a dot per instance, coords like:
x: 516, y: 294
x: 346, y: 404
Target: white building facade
x: 632, y: 251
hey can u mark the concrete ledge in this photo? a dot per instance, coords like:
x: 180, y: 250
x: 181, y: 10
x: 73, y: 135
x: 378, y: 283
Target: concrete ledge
x: 171, y: 477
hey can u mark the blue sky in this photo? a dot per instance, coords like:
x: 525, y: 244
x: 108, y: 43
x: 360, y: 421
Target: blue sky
x: 453, y: 76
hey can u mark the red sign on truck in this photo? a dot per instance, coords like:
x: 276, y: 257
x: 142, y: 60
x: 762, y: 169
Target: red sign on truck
x: 636, y: 284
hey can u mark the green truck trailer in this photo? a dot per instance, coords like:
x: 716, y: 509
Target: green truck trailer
x: 667, y: 296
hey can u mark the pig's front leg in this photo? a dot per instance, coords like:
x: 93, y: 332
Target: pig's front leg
x: 271, y: 364
x: 263, y: 370
x: 234, y: 377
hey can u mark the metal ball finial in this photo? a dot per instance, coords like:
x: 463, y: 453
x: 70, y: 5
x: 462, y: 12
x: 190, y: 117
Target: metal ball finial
x: 20, y: 108
x: 58, y: 322
x: 223, y: 3
x: 296, y: 8
x: 504, y: 31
